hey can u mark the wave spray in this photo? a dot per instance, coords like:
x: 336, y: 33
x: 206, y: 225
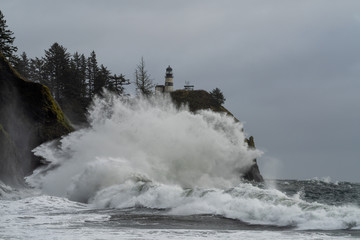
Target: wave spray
x: 144, y: 139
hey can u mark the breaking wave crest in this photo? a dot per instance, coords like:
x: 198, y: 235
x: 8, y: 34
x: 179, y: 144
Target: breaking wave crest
x: 245, y: 202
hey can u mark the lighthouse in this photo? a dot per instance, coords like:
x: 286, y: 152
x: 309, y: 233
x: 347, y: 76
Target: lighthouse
x: 169, y: 84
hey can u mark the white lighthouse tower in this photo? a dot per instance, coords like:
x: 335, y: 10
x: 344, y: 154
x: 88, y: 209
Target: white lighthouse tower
x: 169, y: 84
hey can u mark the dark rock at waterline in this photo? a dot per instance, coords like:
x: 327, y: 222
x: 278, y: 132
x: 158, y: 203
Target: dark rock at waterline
x: 29, y: 116
x: 201, y: 99
x: 253, y: 173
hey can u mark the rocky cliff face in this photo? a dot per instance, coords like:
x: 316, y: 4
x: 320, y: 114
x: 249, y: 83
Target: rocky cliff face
x: 29, y: 116
x: 200, y: 99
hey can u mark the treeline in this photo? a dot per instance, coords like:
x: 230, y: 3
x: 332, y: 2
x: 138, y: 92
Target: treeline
x: 73, y: 79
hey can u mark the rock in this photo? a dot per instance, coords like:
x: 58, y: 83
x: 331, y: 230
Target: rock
x: 200, y: 99
x: 29, y: 116
x: 253, y: 174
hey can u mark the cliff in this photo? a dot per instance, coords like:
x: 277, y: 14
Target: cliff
x: 29, y: 116
x: 200, y: 99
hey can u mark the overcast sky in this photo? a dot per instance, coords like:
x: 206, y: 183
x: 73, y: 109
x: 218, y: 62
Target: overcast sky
x: 290, y: 70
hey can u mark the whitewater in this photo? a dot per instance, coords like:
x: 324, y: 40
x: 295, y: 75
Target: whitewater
x: 145, y: 169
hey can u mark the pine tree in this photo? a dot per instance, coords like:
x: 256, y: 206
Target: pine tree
x: 72, y: 88
x: 72, y: 79
x: 37, y: 71
x: 218, y: 96
x: 143, y: 82
x: 57, y: 61
x: 92, y: 71
x: 82, y: 69
x: 6, y: 41
x: 101, y: 79
x: 116, y: 84
x: 23, y: 65
x: 78, y: 76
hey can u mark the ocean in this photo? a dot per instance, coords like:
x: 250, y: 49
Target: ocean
x: 144, y: 169
x: 276, y: 209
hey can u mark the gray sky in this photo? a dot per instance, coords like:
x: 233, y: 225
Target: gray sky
x: 288, y: 69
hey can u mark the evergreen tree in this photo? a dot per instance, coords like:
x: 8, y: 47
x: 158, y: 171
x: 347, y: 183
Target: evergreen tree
x: 101, y: 79
x: 57, y: 61
x: 6, y: 41
x: 92, y: 71
x: 78, y: 76
x: 72, y: 85
x: 72, y: 79
x: 74, y: 100
x: 82, y: 69
x: 37, y: 71
x: 116, y: 84
x: 218, y: 96
x: 143, y: 82
x: 23, y: 65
